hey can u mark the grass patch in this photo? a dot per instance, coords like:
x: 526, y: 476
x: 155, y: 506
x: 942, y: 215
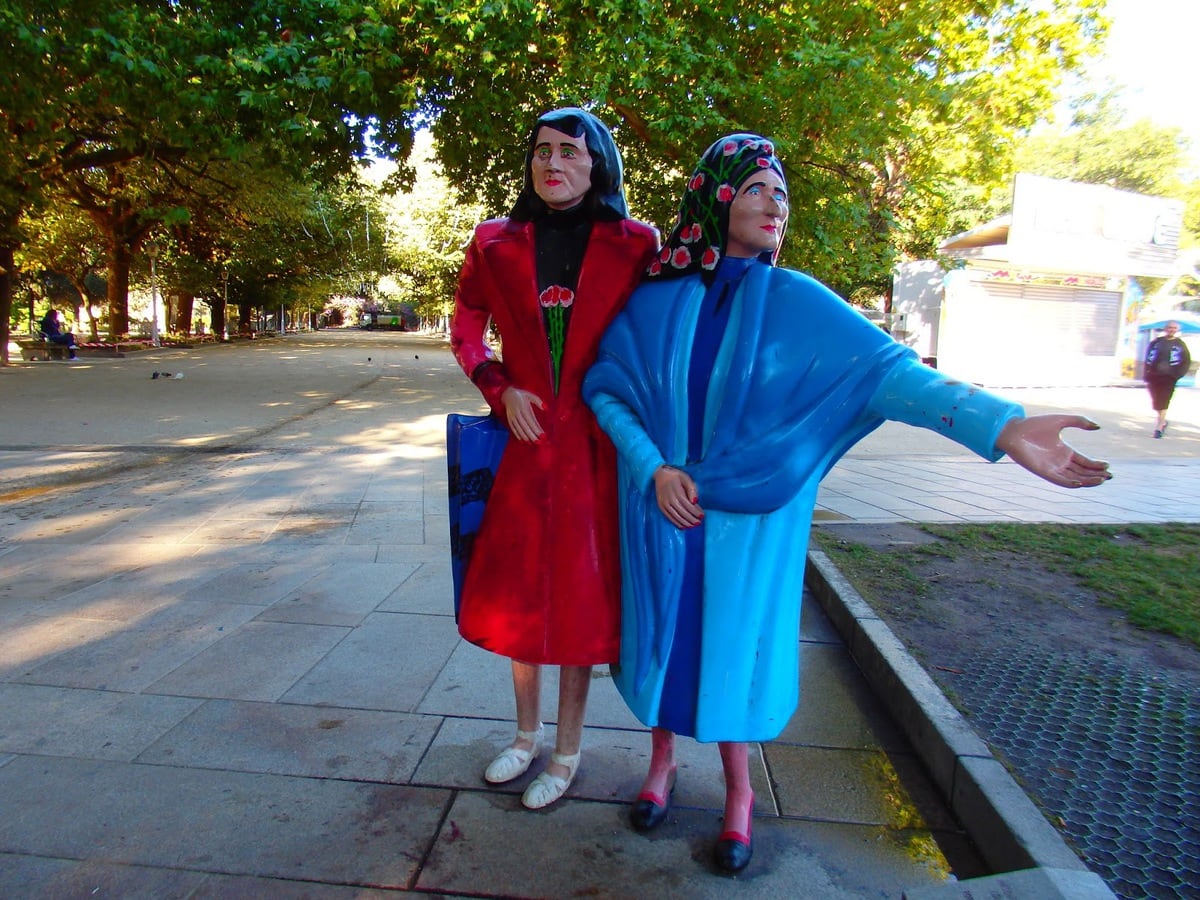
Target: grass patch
x: 1149, y: 572
x: 873, y: 566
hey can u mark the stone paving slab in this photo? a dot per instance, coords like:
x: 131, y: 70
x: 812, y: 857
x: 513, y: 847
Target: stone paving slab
x: 836, y: 709
x: 387, y: 662
x: 259, y: 660
x: 149, y: 647
x: 87, y: 724
x: 282, y: 739
x: 314, y: 829
x: 342, y: 595
x: 611, y: 770
x: 832, y: 784
x: 263, y: 582
x: 805, y: 858
x: 38, y: 877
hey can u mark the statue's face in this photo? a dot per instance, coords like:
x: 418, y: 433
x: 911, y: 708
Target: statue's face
x: 561, y: 168
x: 757, y: 216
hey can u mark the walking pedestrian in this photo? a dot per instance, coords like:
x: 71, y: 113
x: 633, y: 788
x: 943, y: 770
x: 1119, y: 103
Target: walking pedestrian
x: 1167, y: 361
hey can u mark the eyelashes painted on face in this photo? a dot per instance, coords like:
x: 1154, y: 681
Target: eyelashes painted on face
x: 777, y: 195
x: 544, y: 152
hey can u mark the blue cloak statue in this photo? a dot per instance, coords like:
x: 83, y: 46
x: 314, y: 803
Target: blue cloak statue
x: 792, y: 377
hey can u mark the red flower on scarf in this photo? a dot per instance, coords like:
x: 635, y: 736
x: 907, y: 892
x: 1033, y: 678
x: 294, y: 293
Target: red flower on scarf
x: 710, y: 257
x: 681, y: 258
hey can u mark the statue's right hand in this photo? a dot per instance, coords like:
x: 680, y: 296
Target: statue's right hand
x: 523, y: 422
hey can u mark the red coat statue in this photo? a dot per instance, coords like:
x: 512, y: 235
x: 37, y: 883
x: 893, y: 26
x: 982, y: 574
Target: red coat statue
x: 544, y: 582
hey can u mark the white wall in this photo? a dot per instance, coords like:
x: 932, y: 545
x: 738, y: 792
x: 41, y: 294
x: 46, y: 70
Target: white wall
x: 917, y: 291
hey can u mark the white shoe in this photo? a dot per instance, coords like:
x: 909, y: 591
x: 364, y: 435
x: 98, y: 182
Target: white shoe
x: 547, y: 788
x: 513, y: 761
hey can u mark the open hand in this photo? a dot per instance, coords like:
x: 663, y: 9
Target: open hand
x: 1036, y: 444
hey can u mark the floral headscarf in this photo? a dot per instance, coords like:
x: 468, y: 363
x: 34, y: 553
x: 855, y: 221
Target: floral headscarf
x: 697, y: 242
x: 606, y: 199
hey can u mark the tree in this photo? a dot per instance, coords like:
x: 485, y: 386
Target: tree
x: 866, y: 102
x: 427, y: 233
x: 1097, y: 148
x: 65, y: 243
x: 869, y: 104
x: 1143, y: 157
x: 116, y: 97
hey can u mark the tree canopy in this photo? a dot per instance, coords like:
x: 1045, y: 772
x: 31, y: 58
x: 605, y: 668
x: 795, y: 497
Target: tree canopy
x: 870, y: 104
x: 125, y: 107
x: 1097, y: 148
x: 133, y: 112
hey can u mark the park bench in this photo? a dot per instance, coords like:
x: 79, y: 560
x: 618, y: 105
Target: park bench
x: 37, y: 347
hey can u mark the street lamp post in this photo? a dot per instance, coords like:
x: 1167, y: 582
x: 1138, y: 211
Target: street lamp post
x: 152, y: 249
x: 225, y: 305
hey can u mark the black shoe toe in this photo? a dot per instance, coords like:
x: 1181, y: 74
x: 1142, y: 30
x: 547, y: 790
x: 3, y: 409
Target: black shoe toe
x: 647, y: 815
x: 732, y: 856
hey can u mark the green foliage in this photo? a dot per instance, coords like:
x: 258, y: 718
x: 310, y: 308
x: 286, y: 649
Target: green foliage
x: 125, y: 107
x: 428, y: 230
x: 879, y: 109
x: 871, y: 105
x: 299, y: 243
x: 1142, y: 157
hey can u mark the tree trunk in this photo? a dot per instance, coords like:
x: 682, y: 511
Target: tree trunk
x: 85, y: 303
x: 217, y: 321
x: 7, y: 275
x: 118, y: 288
x: 184, y: 303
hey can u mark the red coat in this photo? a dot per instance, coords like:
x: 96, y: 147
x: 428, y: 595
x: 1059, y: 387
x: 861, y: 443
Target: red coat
x: 544, y: 582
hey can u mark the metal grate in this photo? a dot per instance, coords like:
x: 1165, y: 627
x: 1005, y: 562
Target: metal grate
x: 1111, y: 754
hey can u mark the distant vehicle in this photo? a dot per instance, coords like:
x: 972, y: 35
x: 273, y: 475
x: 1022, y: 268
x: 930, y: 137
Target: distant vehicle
x: 388, y: 321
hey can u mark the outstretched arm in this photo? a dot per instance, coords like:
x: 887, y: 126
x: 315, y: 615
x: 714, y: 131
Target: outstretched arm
x: 1036, y: 444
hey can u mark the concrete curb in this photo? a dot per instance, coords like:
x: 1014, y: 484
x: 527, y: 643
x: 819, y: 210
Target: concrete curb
x: 1010, y: 832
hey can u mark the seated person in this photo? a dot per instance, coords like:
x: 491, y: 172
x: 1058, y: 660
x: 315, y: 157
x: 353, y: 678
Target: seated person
x: 53, y: 333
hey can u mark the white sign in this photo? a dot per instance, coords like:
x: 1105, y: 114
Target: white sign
x: 1083, y: 223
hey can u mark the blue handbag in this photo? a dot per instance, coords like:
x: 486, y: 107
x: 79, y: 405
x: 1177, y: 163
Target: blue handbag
x: 474, y: 447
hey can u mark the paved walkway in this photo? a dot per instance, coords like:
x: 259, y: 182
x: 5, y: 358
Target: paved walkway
x: 228, y: 667
x: 904, y: 474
